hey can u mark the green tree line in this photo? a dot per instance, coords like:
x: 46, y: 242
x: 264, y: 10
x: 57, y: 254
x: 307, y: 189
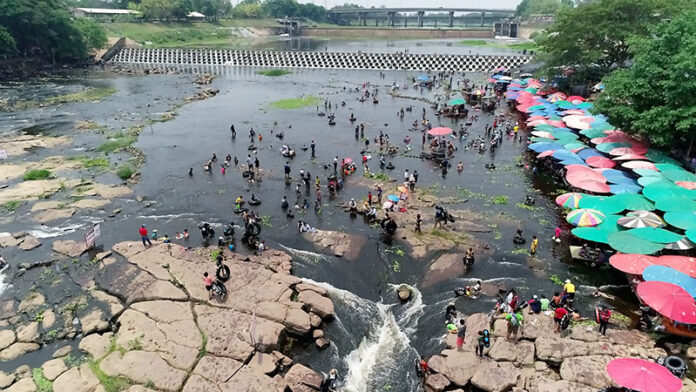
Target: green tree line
x: 46, y: 29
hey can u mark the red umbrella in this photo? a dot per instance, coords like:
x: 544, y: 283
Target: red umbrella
x: 669, y: 300
x: 575, y: 98
x: 639, y: 165
x: 686, y: 184
x: 602, y: 162
x: 644, y: 376
x: 682, y: 264
x: 546, y: 153
x: 632, y: 263
x: 442, y: 131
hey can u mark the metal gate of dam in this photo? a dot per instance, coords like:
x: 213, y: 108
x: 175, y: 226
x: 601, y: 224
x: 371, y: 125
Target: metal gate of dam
x: 332, y: 60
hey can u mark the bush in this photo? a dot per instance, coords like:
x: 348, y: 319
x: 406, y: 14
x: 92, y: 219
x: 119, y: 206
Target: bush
x: 124, y: 172
x: 37, y: 174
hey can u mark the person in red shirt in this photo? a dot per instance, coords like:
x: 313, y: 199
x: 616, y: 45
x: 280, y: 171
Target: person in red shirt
x: 143, y: 236
x: 422, y: 369
x: 604, y: 316
x: 558, y: 317
x: 208, y: 281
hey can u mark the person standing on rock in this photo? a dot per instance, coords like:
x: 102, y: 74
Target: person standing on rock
x: 558, y: 316
x: 461, y: 334
x: 514, y: 320
x: 143, y: 236
x: 208, y: 282
x: 483, y: 341
x: 604, y: 316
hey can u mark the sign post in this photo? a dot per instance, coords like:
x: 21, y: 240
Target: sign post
x: 3, y: 154
x: 92, y: 235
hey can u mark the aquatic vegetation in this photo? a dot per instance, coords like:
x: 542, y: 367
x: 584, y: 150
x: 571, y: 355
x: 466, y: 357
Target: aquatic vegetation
x: 526, y: 207
x: 396, y: 267
x: 266, y: 221
x: 475, y: 42
x: 274, y: 72
x: 37, y: 174
x: 500, y: 199
x: 296, y: 103
x: 110, y: 383
x: 88, y: 94
x: 42, y: 383
x: 521, y: 251
x: 457, y: 238
x: 12, y: 205
x: 117, y: 143
x: 124, y: 172
x: 556, y: 280
x: 395, y: 250
x: 470, y: 194
x: 214, y: 254
x: 91, y: 162
x: 381, y: 176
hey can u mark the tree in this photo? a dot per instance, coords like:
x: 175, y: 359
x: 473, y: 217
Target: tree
x: 540, y: 7
x: 8, y: 45
x: 164, y: 9
x: 93, y: 35
x: 248, y: 10
x: 281, y: 8
x: 592, y: 38
x: 656, y: 96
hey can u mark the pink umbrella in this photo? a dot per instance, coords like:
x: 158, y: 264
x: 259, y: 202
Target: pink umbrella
x: 535, y: 118
x: 644, y: 376
x: 347, y: 160
x: 622, y: 151
x: 537, y: 122
x: 632, y: 263
x: 575, y: 112
x: 575, y: 98
x: 545, y: 134
x: 684, y: 264
x: 686, y: 184
x: 597, y: 161
x: 442, y: 131
x: 592, y: 186
x: 669, y: 300
x: 630, y: 157
x: 546, y: 153
x: 639, y: 165
x: 556, y: 97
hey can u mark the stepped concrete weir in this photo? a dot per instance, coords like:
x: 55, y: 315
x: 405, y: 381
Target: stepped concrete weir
x: 332, y: 60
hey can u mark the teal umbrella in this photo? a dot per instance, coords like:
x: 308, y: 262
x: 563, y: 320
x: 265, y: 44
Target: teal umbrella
x: 658, y: 156
x: 624, y: 242
x: 690, y: 234
x: 603, y: 127
x: 667, y: 166
x: 541, y: 140
x: 593, y: 133
x: 683, y: 220
x: 648, y: 173
x: 456, y: 102
x: 606, y: 147
x: 649, y: 180
x: 678, y: 175
x: 545, y: 127
x: 676, y: 204
x: 605, y: 204
x: 665, y: 191
x: 634, y: 202
x: 654, y: 234
x: 536, y: 107
x: 592, y: 234
x: 610, y: 224
x: 574, y: 145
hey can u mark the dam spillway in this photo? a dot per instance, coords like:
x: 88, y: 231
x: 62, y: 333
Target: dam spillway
x: 327, y: 60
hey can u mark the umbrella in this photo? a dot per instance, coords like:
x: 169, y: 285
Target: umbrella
x: 387, y: 205
x: 393, y: 198
x: 691, y: 185
x: 661, y: 273
x: 676, y: 204
x: 638, y: 219
x: 643, y: 376
x: 683, y: 244
x: 683, y: 264
x: 402, y: 189
x: 678, y: 175
x: 543, y: 134
x: 569, y: 200
x: 633, y: 202
x: 541, y: 147
x: 665, y: 191
x: 593, y: 234
x: 655, y: 234
x: 610, y: 224
x: 605, y: 204
x: 618, y: 177
x: 597, y: 161
x: 456, y: 102
x: 632, y: 263
x: 575, y: 98
x: 639, y: 165
x: 620, y: 189
x: 442, y: 131
x: 630, y: 157
x: 347, y: 160
x: 669, y: 300
x: 585, y: 217
x: 423, y: 78
x: 606, y: 147
x: 589, y: 152
x: 659, y: 157
x: 593, y: 132
x: 547, y: 153
x: 556, y: 97
x: 683, y: 220
x: 623, y: 241
x: 592, y: 186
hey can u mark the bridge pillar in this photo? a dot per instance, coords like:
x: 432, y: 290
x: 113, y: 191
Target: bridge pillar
x: 420, y: 18
x: 390, y: 19
x: 483, y: 14
x: 451, y: 19
x: 405, y: 21
x: 363, y: 17
x: 377, y: 21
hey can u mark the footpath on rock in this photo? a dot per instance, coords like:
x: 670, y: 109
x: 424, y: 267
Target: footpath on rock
x: 149, y: 325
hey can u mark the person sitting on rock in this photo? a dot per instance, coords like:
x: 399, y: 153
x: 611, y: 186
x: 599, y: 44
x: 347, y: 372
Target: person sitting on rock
x: 352, y: 206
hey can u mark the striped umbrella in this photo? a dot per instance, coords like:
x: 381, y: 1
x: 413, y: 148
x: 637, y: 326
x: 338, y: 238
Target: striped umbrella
x: 569, y: 200
x: 585, y: 217
x: 638, y: 219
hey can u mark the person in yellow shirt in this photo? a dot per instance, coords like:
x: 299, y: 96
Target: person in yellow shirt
x: 569, y: 290
x: 535, y: 243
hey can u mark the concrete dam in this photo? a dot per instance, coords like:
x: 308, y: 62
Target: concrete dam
x: 330, y: 60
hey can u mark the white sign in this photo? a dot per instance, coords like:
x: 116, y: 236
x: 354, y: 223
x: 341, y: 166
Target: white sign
x: 3, y: 154
x: 92, y: 235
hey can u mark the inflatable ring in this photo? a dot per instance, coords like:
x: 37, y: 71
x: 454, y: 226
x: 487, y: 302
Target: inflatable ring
x: 676, y: 365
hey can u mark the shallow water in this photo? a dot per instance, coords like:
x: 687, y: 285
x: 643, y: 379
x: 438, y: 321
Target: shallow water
x: 375, y: 339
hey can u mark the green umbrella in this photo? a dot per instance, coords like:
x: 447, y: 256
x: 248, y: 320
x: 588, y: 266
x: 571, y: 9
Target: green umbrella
x: 574, y: 145
x: 565, y: 105
x: 634, y: 202
x: 678, y: 175
x: 650, y: 180
x: 667, y: 166
x: 610, y: 224
x: 605, y: 204
x: 606, y: 147
x: 533, y: 91
x: 536, y: 107
x: 648, y: 173
x: 683, y: 220
x: 603, y: 127
x: 545, y: 127
x: 690, y: 234
x: 456, y: 102
x: 676, y: 204
x: 555, y: 118
x: 541, y: 140
x: 654, y: 234
x: 624, y: 242
x: 593, y: 133
x: 658, y: 156
x: 666, y: 191
x: 592, y: 234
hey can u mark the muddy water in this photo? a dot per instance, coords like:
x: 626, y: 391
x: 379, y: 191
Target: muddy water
x: 375, y: 338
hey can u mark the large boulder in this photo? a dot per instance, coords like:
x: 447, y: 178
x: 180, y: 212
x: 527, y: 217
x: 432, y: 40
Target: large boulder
x: 7, y: 337
x: 318, y: 304
x: 458, y: 366
x: 17, y: 350
x: 521, y: 353
x: 23, y: 385
x: 77, y: 379
x: 493, y: 376
x: 337, y: 243
x: 536, y: 325
x: 97, y: 346
x: 555, y: 349
x: 300, y: 376
x: 588, y: 370
x: 630, y: 337
x: 563, y: 386
x: 29, y: 243
x: 144, y: 367
x: 436, y: 383
x: 54, y: 368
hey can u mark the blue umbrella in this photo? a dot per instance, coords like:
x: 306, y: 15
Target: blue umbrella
x: 541, y: 147
x: 618, y: 177
x: 424, y: 78
x: 393, y: 198
x: 497, y: 76
x: 589, y: 152
x: 568, y: 162
x: 625, y: 188
x: 563, y: 155
x: 515, y: 88
x: 662, y: 273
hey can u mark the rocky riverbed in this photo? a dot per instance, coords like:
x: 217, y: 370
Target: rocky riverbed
x: 147, y: 321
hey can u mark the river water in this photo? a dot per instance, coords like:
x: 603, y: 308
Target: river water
x: 375, y: 339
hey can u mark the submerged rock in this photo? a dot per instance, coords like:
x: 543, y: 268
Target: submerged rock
x: 404, y: 293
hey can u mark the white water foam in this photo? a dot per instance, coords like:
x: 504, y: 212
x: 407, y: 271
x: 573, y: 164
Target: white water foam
x: 55, y: 231
x: 3, y: 276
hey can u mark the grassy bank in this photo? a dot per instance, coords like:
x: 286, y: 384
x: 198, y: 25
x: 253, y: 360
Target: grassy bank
x: 528, y: 45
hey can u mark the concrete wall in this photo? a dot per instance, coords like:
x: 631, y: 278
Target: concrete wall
x: 396, y: 33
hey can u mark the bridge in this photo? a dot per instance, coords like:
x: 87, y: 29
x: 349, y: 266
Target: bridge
x: 420, y: 12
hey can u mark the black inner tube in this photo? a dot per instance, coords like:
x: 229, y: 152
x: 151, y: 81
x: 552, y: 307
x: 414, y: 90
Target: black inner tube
x: 223, y: 273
